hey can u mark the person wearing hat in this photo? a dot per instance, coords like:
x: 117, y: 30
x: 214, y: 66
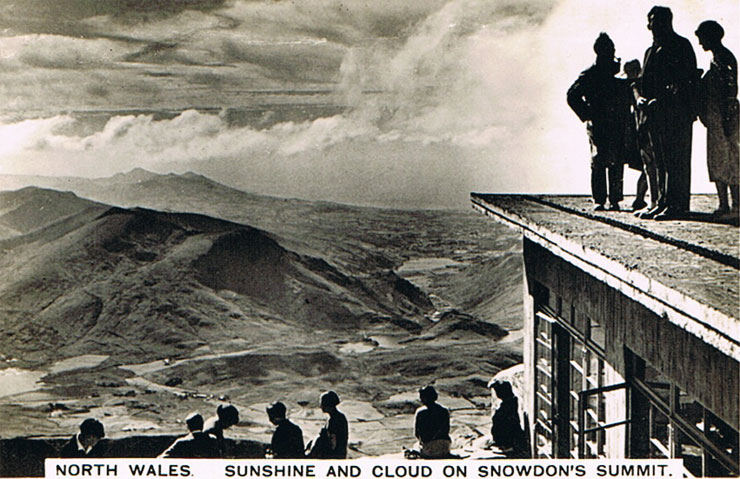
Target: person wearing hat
x: 226, y: 416
x: 598, y: 99
x: 432, y: 425
x: 287, y: 440
x: 719, y: 112
x: 196, y: 444
x: 85, y: 443
x: 506, y: 428
x: 334, y: 436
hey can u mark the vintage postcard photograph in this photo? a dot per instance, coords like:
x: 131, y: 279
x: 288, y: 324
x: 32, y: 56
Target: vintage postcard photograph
x: 389, y: 230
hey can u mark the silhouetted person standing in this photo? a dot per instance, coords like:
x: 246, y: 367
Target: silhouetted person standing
x: 226, y: 416
x: 632, y: 140
x: 87, y: 442
x: 596, y: 97
x: 287, y: 440
x: 718, y: 111
x: 196, y: 444
x: 665, y: 98
x: 506, y: 428
x: 432, y: 425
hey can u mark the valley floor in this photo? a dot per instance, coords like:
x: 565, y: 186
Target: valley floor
x: 368, y: 302
x: 377, y: 374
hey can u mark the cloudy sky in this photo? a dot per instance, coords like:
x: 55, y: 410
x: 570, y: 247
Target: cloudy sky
x: 396, y: 103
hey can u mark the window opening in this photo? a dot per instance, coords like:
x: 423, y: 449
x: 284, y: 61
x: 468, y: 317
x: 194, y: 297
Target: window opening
x: 679, y: 426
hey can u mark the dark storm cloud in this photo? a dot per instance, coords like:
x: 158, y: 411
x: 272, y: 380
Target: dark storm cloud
x: 159, y: 74
x: 37, y: 54
x: 347, y: 22
x: 62, y: 16
x: 350, y: 27
x: 265, y: 43
x: 287, y: 40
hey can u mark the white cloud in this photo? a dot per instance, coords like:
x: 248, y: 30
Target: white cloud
x: 472, y: 98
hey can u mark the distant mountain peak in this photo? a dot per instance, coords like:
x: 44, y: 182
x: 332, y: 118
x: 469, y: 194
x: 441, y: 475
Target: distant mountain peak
x: 135, y: 175
x: 140, y: 175
x: 193, y: 175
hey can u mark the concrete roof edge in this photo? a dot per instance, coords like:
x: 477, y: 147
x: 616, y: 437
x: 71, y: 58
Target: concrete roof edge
x: 701, y: 320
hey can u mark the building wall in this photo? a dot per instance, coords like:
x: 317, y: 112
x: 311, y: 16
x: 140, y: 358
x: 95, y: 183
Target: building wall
x: 698, y: 368
x: 528, y: 352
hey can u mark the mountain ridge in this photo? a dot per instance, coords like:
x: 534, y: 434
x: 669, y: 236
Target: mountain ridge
x: 33, y: 208
x: 188, y: 291
x: 95, y: 188
x: 82, y: 273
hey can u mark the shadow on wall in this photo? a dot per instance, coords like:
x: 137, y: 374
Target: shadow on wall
x: 22, y: 457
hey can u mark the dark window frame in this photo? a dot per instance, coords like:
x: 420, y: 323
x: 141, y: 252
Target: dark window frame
x: 676, y: 422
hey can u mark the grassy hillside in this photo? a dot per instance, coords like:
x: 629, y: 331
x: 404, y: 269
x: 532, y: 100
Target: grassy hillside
x: 188, y: 293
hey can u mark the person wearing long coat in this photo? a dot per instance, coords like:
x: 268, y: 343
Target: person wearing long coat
x: 665, y: 101
x: 719, y: 111
x: 596, y: 97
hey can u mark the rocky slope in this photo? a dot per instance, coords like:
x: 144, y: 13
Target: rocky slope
x: 139, y: 284
x: 188, y: 293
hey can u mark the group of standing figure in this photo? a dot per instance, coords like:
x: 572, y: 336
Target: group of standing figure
x: 645, y: 120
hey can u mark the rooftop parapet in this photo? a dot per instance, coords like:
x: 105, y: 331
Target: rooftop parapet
x: 686, y: 271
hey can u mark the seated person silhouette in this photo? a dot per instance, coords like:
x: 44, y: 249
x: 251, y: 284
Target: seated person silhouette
x: 432, y: 426
x: 196, y: 444
x: 287, y: 440
x: 86, y: 443
x: 226, y: 416
x: 506, y: 428
x: 334, y: 436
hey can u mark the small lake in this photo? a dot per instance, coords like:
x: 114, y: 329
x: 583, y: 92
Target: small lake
x: 357, y: 347
x: 382, y: 341
x: 78, y: 362
x: 420, y: 265
x: 16, y: 381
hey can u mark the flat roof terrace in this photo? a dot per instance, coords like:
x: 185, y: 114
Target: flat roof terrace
x: 687, y: 271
